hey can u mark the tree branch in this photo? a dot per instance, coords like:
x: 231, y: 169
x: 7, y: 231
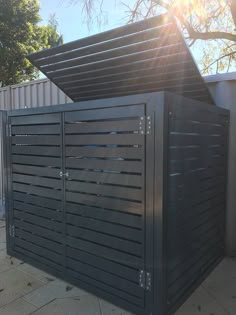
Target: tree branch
x: 210, y: 35
x: 218, y: 59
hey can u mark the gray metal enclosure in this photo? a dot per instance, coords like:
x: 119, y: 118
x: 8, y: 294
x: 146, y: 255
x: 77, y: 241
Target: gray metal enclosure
x: 123, y: 197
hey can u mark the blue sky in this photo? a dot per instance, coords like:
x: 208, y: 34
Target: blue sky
x: 72, y: 23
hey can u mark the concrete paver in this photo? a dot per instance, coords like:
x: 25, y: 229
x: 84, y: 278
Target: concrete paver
x: 201, y: 303
x: 54, y: 290
x: 15, y: 284
x: 40, y: 275
x: 110, y: 309
x: 18, y: 307
x: 87, y: 305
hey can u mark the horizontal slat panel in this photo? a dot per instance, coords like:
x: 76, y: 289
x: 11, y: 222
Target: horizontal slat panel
x: 96, y: 57
x: 205, y: 115
x: 130, y: 139
x: 197, y: 269
x: 108, y: 57
x: 38, y: 230
x: 107, y: 113
x: 36, y: 130
x: 38, y: 201
x: 195, y: 140
x: 178, y: 289
x: 41, y: 241
x: 123, y: 59
x: 36, y: 119
x: 130, y: 71
x: 37, y: 210
x: 102, y: 287
x: 107, y: 278
x: 105, y: 152
x: 36, y: 160
x: 193, y: 258
x: 115, y: 47
x: 23, y: 250
x: 182, y: 215
x: 104, y: 239
x: 157, y: 22
x: 40, y: 251
x: 34, y: 170
x: 36, y: 220
x: 36, y: 150
x: 196, y: 202
x: 36, y: 140
x: 188, y: 233
x: 106, y: 165
x: 108, y: 178
x: 190, y: 84
x: 105, y: 190
x: 39, y: 181
x: 103, y: 251
x: 190, y: 126
x: 104, y: 126
x: 166, y: 64
x: 104, y: 227
x: 110, y: 203
x: 103, y: 264
x: 142, y: 81
x: 40, y: 191
x: 190, y: 91
x: 105, y: 215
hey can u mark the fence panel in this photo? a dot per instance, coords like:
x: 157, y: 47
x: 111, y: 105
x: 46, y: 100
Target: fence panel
x: 32, y: 94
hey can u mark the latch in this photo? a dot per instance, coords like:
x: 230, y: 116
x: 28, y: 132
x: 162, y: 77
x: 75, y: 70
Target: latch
x: 64, y: 174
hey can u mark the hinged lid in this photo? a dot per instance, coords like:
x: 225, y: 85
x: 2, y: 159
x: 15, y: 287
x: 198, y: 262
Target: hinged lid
x: 146, y: 56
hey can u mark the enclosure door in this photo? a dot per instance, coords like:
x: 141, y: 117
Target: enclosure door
x: 105, y: 200
x: 35, y: 188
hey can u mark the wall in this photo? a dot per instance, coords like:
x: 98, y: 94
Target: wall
x: 223, y: 89
x: 32, y: 94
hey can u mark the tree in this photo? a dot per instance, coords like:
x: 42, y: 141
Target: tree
x: 208, y: 25
x: 21, y: 34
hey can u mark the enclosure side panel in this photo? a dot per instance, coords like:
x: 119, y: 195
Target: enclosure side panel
x: 197, y: 159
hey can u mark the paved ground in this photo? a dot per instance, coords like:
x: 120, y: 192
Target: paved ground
x: 26, y: 290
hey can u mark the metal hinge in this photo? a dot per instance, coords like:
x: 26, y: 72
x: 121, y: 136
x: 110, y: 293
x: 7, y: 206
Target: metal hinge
x: 145, y: 280
x: 145, y: 125
x: 12, y: 230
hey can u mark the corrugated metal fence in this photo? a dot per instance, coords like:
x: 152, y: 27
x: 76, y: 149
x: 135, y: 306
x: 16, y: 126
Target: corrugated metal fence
x: 31, y: 94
